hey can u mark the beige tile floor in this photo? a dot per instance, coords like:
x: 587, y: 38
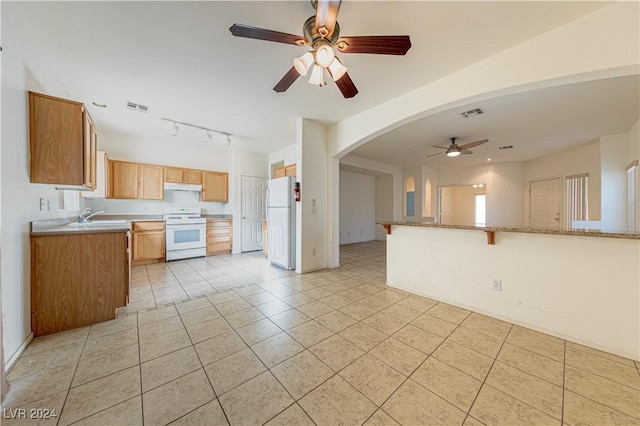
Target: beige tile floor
x: 232, y: 340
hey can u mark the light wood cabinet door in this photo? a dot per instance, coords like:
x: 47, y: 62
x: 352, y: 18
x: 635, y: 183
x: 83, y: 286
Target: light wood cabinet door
x: 290, y: 170
x: 215, y: 186
x: 77, y: 280
x: 148, y: 245
x: 123, y: 180
x: 278, y: 173
x: 60, y: 147
x: 192, y: 176
x: 151, y: 182
x: 173, y: 174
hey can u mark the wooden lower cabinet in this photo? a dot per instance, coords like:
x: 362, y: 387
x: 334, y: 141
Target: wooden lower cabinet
x: 219, y: 236
x: 77, y: 279
x: 147, y: 242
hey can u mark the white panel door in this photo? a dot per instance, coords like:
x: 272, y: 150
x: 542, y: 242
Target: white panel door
x: 544, y: 203
x: 254, y: 190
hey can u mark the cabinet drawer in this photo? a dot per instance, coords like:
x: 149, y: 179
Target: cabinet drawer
x: 148, y: 226
x: 218, y: 223
x: 218, y: 248
x: 218, y: 239
x: 218, y: 231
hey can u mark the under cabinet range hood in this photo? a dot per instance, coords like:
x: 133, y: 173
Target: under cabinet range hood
x: 169, y: 186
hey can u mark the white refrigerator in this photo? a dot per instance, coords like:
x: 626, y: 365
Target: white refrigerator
x: 281, y: 219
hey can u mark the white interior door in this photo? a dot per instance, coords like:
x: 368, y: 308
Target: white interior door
x: 254, y: 190
x: 544, y: 203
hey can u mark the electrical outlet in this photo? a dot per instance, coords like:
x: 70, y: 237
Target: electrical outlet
x: 43, y: 204
x: 496, y: 285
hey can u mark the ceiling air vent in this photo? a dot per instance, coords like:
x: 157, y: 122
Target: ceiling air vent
x: 471, y: 113
x: 506, y: 147
x: 137, y: 107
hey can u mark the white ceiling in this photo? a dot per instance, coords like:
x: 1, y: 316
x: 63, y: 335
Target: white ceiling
x: 180, y: 59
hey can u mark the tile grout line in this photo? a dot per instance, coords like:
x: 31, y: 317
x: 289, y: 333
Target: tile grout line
x: 487, y: 375
x: 564, y: 379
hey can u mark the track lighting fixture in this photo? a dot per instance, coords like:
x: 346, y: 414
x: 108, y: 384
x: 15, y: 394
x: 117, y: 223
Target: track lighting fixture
x: 207, y: 131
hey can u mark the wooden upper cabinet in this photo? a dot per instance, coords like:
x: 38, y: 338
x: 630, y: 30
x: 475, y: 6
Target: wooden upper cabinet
x: 192, y: 176
x: 132, y: 181
x: 151, y: 182
x: 123, y: 180
x: 215, y: 186
x: 173, y: 174
x: 178, y: 175
x: 290, y: 170
x: 61, y: 142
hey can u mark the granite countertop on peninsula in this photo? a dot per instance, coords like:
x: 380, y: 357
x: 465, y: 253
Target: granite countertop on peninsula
x: 522, y: 229
x: 217, y: 216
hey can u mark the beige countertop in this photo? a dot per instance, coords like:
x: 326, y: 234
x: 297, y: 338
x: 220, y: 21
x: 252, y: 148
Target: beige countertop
x: 61, y: 227
x: 521, y: 229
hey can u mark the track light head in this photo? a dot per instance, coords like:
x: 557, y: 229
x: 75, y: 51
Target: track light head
x: 227, y: 141
x: 207, y: 136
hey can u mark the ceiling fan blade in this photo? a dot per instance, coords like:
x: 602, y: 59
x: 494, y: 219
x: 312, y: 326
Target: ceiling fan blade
x: 326, y: 16
x: 442, y: 147
x: 432, y: 155
x: 286, y: 81
x: 473, y: 144
x: 466, y: 151
x: 379, y: 45
x: 346, y: 86
x: 246, y: 31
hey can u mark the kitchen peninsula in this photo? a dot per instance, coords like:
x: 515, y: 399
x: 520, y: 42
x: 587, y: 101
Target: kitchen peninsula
x: 579, y: 285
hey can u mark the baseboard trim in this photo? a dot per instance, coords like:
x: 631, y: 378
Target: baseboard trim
x: 18, y: 352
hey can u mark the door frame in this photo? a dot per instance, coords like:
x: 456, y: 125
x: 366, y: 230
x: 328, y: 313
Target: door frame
x: 242, y: 212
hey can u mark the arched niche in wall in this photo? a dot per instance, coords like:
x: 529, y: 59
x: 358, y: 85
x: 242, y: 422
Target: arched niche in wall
x: 427, y: 198
x: 409, y: 196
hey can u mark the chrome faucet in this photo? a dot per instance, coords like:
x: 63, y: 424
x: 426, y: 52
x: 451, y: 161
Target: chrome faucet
x: 86, y: 215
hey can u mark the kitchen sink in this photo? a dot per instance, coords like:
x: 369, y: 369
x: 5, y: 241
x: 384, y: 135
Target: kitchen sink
x: 100, y: 223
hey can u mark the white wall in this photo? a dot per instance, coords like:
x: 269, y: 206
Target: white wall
x: 583, y: 159
x: 552, y: 283
x: 25, y: 66
x: 357, y: 207
x: 312, y: 235
x: 287, y: 155
x: 613, y: 160
x: 504, y: 187
x: 243, y: 163
x: 384, y: 204
x: 459, y: 205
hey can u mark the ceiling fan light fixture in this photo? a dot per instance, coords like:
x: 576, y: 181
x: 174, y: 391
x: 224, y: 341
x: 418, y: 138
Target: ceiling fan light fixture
x: 336, y: 69
x: 453, y: 152
x: 325, y: 55
x: 317, y: 76
x: 303, y: 63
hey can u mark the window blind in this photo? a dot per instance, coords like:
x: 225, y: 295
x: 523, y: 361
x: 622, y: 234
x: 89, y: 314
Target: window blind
x: 577, y: 198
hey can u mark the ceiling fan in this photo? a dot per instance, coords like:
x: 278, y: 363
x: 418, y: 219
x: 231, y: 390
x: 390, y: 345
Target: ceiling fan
x: 454, y: 149
x: 322, y: 35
